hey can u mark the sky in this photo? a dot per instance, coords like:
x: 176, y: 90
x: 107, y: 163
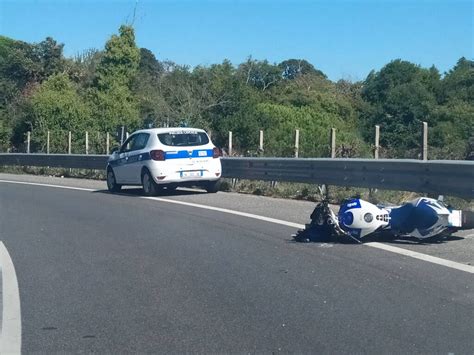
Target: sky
x: 345, y: 39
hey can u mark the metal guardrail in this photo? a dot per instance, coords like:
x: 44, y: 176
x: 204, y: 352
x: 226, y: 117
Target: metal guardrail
x: 434, y: 176
x: 74, y: 161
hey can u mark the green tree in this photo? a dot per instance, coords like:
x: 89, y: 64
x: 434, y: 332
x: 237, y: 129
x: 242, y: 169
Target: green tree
x: 5, y: 132
x: 452, y: 135
x: 449, y: 138
x: 293, y: 68
x: 82, y: 69
x: 19, y: 64
x: 18, y: 71
x: 120, y: 61
x: 401, y: 96
x: 58, y: 108
x: 114, y: 102
x: 49, y: 53
x: 260, y: 74
x: 458, y: 84
x: 279, y: 123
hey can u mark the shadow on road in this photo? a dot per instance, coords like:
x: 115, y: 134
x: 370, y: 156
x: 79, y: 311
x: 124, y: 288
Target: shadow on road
x: 433, y: 240
x: 387, y: 238
x: 138, y: 192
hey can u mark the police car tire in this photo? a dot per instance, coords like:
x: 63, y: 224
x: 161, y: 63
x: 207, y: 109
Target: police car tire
x: 213, y: 186
x: 153, y: 188
x: 114, y: 187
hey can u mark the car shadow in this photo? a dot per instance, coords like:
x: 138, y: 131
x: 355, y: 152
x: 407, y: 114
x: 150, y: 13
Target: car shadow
x: 138, y: 192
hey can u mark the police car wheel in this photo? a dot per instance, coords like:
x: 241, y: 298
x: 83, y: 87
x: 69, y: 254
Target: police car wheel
x: 150, y: 188
x: 111, y: 182
x: 212, y: 186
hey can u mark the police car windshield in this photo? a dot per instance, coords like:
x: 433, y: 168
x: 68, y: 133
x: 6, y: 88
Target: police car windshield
x: 183, y: 138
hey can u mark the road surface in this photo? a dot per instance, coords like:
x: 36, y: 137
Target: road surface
x: 118, y: 273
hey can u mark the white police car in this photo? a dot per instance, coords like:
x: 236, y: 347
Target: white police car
x: 165, y: 157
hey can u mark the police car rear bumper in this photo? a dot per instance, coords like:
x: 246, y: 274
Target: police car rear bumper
x: 185, y: 176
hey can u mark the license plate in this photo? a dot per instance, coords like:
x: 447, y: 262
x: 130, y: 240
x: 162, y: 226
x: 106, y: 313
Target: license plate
x: 185, y: 174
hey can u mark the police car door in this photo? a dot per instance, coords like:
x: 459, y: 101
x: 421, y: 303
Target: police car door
x: 122, y: 168
x: 135, y: 158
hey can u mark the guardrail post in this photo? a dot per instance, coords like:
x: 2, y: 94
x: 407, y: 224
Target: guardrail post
x: 372, y: 191
x: 87, y: 142
x: 122, y: 134
x: 424, y: 153
x: 69, y: 141
x: 325, y: 187
x: 107, y: 143
x: 47, y: 144
x: 230, y: 143
x: 260, y: 145
x: 297, y: 142
x: 377, y: 138
x: 28, y: 141
x: 333, y: 142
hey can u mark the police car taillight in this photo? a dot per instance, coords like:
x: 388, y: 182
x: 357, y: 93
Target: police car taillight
x: 157, y: 155
x: 216, y: 152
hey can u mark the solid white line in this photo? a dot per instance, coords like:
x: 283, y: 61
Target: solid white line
x: 416, y: 255
x: 424, y: 257
x: 225, y: 210
x: 48, y: 185
x: 10, y: 337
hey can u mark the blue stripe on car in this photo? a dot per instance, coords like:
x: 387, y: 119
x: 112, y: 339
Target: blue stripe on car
x: 131, y: 159
x: 182, y: 154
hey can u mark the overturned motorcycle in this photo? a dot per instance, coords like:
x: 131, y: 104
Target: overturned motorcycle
x: 359, y: 221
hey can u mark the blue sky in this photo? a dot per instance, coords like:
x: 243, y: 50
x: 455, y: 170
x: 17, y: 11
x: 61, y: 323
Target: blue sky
x: 344, y: 39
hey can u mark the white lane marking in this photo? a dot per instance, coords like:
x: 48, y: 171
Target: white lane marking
x: 225, y: 210
x: 413, y: 254
x: 405, y: 252
x: 48, y: 185
x: 420, y: 256
x: 10, y: 337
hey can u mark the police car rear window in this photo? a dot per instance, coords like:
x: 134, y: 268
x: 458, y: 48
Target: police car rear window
x: 183, y: 138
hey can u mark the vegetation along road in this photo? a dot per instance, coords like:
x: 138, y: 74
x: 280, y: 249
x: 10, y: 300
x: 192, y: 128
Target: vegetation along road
x: 121, y: 84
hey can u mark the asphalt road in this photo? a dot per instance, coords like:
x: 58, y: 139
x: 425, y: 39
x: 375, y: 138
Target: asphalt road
x: 116, y: 273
